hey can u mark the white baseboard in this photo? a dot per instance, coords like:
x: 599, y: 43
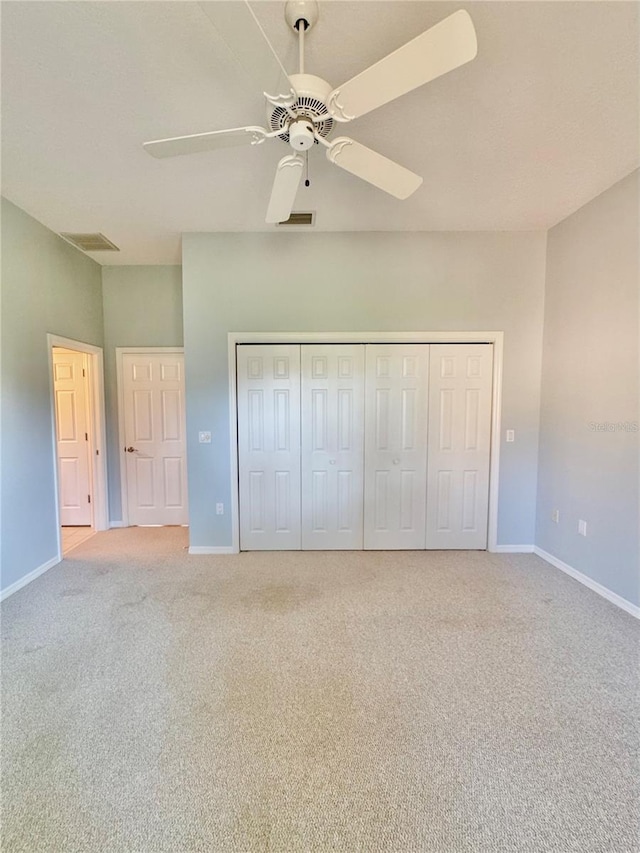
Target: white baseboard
x: 512, y: 549
x: 212, y: 549
x: 613, y: 597
x: 14, y: 587
x: 117, y: 524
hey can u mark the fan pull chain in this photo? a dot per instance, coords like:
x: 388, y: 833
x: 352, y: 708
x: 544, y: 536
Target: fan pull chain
x: 307, y: 182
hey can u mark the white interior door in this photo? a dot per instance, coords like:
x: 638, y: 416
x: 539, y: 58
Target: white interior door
x: 72, y: 435
x: 332, y: 446
x: 155, y: 441
x: 395, y: 445
x: 269, y: 446
x: 460, y: 389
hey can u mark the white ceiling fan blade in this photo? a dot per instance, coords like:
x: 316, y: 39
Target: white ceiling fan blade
x: 239, y: 28
x: 440, y: 49
x: 285, y: 187
x: 373, y: 167
x: 198, y: 142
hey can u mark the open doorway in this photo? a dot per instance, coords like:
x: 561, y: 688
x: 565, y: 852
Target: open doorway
x: 78, y: 417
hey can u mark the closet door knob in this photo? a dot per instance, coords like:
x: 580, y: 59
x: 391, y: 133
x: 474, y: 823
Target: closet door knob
x: 396, y: 461
x: 332, y: 462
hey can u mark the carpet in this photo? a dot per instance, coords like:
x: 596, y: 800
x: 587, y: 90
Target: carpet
x: 315, y: 701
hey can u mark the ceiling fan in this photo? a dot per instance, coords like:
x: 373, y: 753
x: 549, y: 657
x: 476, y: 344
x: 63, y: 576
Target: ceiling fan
x: 302, y: 109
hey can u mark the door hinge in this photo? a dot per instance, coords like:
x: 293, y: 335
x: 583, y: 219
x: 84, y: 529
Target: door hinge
x: 97, y: 453
x: 89, y: 498
x: 86, y: 436
x: 83, y: 373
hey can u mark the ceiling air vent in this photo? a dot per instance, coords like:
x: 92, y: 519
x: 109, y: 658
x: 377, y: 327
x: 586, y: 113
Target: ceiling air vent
x: 299, y: 219
x: 90, y: 242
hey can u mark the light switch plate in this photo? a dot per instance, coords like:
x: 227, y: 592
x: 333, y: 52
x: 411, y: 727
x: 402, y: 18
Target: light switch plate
x: 511, y: 435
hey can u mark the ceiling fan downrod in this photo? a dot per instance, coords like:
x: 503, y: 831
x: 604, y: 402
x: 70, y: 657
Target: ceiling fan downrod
x: 301, y: 15
x: 301, y: 27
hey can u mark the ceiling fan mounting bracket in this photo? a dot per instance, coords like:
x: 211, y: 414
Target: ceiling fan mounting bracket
x: 336, y: 109
x: 283, y: 101
x: 334, y: 150
x: 299, y: 12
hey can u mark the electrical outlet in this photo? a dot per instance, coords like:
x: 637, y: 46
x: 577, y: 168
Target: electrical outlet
x: 582, y: 527
x: 219, y: 509
x: 204, y: 437
x: 555, y: 516
x: 511, y: 435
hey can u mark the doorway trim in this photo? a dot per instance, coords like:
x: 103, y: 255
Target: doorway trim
x: 496, y: 338
x: 95, y: 363
x: 120, y: 352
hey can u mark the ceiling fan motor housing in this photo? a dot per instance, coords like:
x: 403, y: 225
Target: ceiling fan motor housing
x: 313, y: 93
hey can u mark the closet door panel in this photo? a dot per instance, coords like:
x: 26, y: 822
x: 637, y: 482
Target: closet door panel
x: 397, y: 378
x: 381, y: 446
x: 332, y: 446
x: 269, y: 446
x: 460, y: 390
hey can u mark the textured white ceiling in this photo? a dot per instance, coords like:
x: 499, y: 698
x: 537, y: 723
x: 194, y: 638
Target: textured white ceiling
x: 544, y: 119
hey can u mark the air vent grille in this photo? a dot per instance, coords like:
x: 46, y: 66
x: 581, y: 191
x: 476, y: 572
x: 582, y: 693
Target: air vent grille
x: 299, y: 219
x: 90, y: 242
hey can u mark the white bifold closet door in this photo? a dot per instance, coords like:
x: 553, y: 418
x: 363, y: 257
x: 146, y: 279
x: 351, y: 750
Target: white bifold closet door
x: 332, y: 446
x: 375, y: 446
x: 460, y: 388
x: 397, y: 377
x: 269, y: 446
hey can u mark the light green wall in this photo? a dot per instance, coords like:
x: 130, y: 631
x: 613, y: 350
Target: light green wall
x: 142, y: 308
x: 47, y: 287
x: 360, y: 281
x: 590, y: 377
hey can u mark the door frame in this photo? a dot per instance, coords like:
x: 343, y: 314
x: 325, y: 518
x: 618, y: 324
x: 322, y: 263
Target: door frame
x: 120, y: 352
x: 97, y: 430
x: 495, y: 338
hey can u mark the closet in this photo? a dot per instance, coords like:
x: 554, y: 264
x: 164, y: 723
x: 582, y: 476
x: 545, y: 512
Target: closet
x: 374, y: 446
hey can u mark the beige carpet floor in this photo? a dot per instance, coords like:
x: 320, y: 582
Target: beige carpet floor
x: 349, y: 701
